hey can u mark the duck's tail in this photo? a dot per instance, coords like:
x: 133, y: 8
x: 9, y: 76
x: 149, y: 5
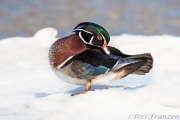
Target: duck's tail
x: 147, y: 66
x: 143, y: 64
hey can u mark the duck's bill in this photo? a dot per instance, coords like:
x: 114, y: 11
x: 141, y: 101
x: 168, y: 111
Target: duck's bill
x: 104, y: 48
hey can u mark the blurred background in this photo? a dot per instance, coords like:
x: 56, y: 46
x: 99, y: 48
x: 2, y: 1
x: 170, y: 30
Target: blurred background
x: 137, y: 17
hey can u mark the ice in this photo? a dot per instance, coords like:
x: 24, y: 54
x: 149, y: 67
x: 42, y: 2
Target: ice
x: 30, y: 91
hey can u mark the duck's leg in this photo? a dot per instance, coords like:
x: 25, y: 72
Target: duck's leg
x: 88, y: 85
x: 88, y: 88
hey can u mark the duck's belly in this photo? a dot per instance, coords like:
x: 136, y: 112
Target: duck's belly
x: 98, y: 80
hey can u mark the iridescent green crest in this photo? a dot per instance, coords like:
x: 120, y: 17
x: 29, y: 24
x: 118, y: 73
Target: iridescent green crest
x: 93, y: 28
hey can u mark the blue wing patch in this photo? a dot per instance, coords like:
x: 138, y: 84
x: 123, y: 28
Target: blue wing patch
x: 100, y: 70
x: 84, y: 70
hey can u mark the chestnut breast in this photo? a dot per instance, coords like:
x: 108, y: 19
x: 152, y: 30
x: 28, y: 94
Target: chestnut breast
x: 64, y: 48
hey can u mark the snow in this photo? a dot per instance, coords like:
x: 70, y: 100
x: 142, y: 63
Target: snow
x: 30, y: 91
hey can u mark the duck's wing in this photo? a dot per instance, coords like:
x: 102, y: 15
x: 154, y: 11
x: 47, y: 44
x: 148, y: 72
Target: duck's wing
x: 144, y: 64
x: 115, y: 51
x: 91, y: 63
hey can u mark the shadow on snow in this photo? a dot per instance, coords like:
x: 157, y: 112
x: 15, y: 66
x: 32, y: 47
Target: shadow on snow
x: 94, y: 87
x: 102, y: 87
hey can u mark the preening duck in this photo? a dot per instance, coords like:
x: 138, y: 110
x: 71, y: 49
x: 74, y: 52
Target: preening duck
x: 84, y: 58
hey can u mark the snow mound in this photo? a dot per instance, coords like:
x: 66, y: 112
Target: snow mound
x: 30, y: 91
x: 46, y: 33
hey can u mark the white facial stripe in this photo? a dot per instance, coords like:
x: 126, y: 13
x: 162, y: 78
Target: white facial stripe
x: 82, y: 38
x: 80, y: 26
x: 90, y: 43
x: 87, y: 31
x: 83, y: 30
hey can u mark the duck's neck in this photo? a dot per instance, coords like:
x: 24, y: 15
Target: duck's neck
x: 64, y: 48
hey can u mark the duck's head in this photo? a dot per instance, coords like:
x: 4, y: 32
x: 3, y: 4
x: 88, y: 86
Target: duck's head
x: 93, y: 35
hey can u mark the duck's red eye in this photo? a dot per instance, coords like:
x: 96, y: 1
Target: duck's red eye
x: 99, y: 37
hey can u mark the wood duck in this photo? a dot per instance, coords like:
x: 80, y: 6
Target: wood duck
x: 84, y: 58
